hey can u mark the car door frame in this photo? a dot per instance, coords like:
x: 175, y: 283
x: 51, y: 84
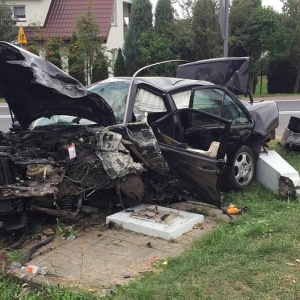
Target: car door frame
x: 197, y: 172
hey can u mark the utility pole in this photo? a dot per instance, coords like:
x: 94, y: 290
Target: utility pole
x: 226, y: 28
x: 224, y: 20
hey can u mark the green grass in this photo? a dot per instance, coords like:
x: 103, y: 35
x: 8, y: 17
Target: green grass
x: 256, y: 257
x: 14, y: 289
x: 261, y: 87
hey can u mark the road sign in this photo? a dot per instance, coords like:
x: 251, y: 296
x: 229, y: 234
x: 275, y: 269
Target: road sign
x: 21, y: 36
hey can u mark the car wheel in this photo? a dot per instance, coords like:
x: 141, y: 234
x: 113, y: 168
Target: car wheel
x: 242, y: 168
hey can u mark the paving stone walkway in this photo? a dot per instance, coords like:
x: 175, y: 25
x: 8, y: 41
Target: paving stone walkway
x: 99, y: 259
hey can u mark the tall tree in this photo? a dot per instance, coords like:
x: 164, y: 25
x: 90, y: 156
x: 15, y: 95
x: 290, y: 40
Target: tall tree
x: 164, y: 16
x: 88, y: 42
x: 100, y: 66
x: 119, y: 67
x: 75, y: 60
x: 140, y: 21
x: 181, y: 34
x: 252, y: 31
x: 52, y: 53
x: 8, y: 29
x: 155, y: 47
x: 291, y: 9
x: 206, y: 35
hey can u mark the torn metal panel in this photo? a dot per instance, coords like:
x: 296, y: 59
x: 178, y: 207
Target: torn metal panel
x: 115, y: 158
x: 291, y: 135
x: 231, y: 72
x: 140, y: 139
x: 290, y: 140
x: 17, y: 191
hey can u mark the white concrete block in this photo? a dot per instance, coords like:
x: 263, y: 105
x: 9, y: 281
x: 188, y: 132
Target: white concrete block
x: 164, y: 222
x: 271, y: 167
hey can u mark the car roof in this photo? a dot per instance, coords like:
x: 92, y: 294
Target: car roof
x: 165, y: 84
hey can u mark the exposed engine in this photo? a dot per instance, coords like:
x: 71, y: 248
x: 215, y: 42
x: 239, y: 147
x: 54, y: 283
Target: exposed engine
x: 58, y: 170
x: 55, y: 169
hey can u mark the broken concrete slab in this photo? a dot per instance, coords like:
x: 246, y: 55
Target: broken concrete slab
x: 157, y: 221
x: 274, y: 172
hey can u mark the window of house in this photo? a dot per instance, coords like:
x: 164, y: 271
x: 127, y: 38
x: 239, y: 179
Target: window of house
x: 114, y: 15
x: 19, y: 11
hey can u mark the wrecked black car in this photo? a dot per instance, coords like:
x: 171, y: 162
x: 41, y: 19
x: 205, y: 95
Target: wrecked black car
x: 193, y: 114
x: 75, y: 148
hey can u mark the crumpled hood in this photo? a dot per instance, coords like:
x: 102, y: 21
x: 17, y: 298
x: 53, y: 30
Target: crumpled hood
x: 34, y: 88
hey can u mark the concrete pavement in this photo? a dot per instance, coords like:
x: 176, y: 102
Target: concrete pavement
x: 101, y: 258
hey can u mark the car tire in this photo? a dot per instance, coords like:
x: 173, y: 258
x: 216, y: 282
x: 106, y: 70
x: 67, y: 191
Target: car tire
x: 242, y: 168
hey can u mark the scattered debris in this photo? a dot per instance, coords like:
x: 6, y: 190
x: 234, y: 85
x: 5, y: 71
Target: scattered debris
x: 149, y: 245
x: 233, y: 209
x: 158, y: 221
x: 37, y: 246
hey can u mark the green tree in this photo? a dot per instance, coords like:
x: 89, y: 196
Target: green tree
x: 291, y: 10
x: 88, y: 42
x: 253, y: 31
x: 155, y: 47
x: 119, y: 67
x: 281, y: 76
x: 52, y: 51
x: 35, y: 44
x: 164, y: 16
x: 140, y: 21
x: 100, y: 67
x: 182, y: 41
x: 75, y: 60
x: 206, y: 36
x: 8, y: 29
x: 33, y: 48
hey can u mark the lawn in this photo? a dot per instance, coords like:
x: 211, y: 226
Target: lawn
x: 256, y: 257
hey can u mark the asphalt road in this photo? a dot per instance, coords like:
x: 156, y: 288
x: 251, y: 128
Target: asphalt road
x: 287, y: 108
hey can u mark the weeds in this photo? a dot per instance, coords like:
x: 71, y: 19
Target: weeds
x: 64, y: 230
x: 14, y: 255
x: 203, y: 211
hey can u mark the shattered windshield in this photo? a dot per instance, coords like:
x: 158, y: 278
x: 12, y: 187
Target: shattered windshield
x: 60, y: 120
x: 115, y: 94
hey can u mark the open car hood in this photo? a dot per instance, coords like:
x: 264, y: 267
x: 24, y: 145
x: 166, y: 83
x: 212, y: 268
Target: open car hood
x: 230, y: 72
x: 34, y: 88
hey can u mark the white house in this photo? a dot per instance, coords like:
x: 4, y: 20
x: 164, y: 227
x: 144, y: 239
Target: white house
x: 57, y: 18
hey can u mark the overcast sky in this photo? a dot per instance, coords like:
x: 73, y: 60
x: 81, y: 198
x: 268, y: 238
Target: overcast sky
x: 276, y: 4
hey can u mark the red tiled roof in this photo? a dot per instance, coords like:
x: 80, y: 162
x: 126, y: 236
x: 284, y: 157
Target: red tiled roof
x: 63, y: 14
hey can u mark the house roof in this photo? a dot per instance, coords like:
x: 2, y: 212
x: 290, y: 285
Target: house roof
x: 63, y: 14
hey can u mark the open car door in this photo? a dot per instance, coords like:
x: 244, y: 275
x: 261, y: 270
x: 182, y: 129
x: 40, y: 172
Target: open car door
x: 197, y: 159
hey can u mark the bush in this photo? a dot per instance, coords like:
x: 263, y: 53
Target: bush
x: 281, y: 76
